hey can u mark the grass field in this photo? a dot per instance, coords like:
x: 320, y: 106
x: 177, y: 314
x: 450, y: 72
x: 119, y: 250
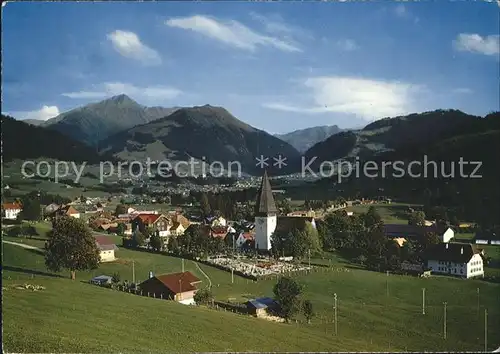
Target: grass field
x: 376, y: 312
x: 393, y: 213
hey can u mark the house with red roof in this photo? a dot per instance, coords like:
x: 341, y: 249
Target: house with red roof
x: 245, y: 238
x: 107, y: 248
x: 180, y: 287
x: 67, y: 210
x: 159, y: 222
x: 11, y: 210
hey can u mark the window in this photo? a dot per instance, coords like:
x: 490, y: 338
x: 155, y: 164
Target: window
x: 461, y: 271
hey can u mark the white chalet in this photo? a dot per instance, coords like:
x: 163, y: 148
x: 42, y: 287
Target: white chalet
x: 11, y: 210
x: 457, y: 259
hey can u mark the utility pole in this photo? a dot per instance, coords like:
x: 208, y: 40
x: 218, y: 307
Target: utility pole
x: 232, y: 275
x: 133, y: 272
x: 423, y: 301
x: 180, y: 289
x: 387, y: 284
x: 485, y: 330
x: 309, y: 254
x: 477, y: 302
x: 182, y: 264
x: 335, y: 315
x: 444, y: 322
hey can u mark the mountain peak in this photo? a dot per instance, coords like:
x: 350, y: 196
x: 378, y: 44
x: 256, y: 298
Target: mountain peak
x: 122, y: 98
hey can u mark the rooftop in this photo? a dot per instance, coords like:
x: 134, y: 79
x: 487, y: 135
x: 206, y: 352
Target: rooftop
x: 265, y: 201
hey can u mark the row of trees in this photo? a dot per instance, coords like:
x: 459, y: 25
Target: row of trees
x: 362, y: 238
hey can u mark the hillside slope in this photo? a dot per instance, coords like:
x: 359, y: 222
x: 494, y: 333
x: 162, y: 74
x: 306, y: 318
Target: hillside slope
x: 24, y: 141
x: 201, y: 132
x: 97, y: 121
x: 393, y: 134
x: 303, y: 139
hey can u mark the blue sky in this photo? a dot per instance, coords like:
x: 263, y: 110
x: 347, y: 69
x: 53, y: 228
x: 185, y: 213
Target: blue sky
x: 277, y: 66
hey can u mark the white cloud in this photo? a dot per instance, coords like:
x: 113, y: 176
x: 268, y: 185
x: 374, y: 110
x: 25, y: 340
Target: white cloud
x: 474, y: 43
x: 347, y: 45
x: 231, y: 33
x: 366, y: 98
x: 130, y: 46
x: 109, y: 89
x: 274, y: 23
x: 46, y: 112
x: 401, y: 11
x: 462, y: 90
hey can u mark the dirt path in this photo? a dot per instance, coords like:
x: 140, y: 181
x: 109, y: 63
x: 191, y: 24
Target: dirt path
x: 205, y: 274
x: 22, y: 245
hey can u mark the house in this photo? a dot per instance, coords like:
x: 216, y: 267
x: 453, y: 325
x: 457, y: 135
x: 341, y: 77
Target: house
x: 219, y: 221
x: 487, y: 238
x: 106, y: 247
x: 11, y: 210
x: 179, y: 224
x: 262, y: 306
x: 50, y: 209
x: 157, y: 221
x: 67, y: 210
x: 399, y: 240
x: 180, y: 287
x: 101, y: 280
x: 302, y: 213
x: 219, y: 231
x: 244, y: 239
x: 445, y: 234
x: 458, y: 259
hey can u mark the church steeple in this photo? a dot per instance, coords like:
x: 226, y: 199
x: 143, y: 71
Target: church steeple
x: 265, y: 204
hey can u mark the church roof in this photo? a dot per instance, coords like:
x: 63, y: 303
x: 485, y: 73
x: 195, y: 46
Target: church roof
x: 290, y: 223
x: 265, y: 201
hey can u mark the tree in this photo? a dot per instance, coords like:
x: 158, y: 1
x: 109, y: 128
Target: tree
x: 139, y: 238
x: 417, y: 218
x: 205, y: 205
x: 287, y: 292
x: 173, y: 244
x: 31, y: 209
x: 116, y: 278
x: 307, y: 308
x: 372, y: 219
x: 156, y: 242
x: 120, y: 229
x: 120, y: 209
x: 72, y: 246
x: 203, y: 297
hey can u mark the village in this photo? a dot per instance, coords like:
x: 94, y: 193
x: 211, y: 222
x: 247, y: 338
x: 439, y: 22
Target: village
x: 244, y: 248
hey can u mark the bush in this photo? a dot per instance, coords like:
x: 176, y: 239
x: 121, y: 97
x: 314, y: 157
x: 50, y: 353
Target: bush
x: 203, y: 297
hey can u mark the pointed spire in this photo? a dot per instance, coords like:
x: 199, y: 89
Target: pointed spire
x: 265, y: 201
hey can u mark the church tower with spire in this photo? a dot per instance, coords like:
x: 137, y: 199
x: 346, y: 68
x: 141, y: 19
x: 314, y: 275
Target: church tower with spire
x: 265, y: 215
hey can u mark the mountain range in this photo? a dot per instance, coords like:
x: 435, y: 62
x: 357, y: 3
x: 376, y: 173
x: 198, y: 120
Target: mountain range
x: 303, y: 139
x: 126, y: 130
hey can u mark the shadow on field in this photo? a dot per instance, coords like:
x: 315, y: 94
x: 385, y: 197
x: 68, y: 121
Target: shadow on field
x: 35, y: 251
x: 30, y: 271
x: 399, y: 211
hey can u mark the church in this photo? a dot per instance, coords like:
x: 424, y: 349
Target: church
x: 267, y: 220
